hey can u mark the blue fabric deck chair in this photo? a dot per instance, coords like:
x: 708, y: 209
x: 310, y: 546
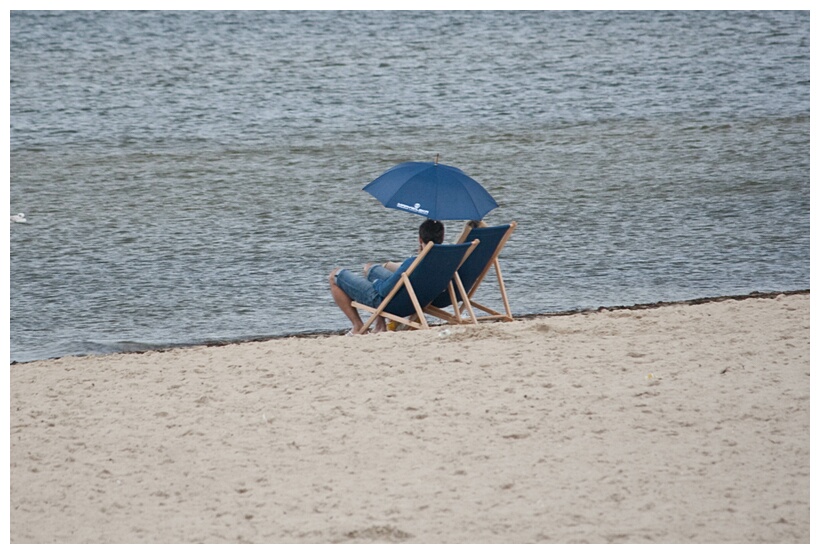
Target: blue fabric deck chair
x: 432, y: 273
x: 472, y: 273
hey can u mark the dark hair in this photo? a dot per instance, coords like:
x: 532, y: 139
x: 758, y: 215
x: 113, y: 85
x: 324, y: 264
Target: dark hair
x: 431, y: 230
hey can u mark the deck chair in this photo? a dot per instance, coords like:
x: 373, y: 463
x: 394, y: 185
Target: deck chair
x: 432, y: 273
x: 472, y: 273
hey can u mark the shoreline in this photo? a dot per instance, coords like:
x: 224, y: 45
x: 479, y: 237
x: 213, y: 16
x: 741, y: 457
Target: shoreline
x: 516, y: 317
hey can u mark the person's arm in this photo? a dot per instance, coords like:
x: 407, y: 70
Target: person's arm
x: 469, y: 226
x: 384, y: 287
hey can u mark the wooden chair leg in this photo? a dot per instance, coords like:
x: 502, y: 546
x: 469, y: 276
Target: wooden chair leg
x: 503, y: 290
x: 415, y: 301
x: 465, y: 300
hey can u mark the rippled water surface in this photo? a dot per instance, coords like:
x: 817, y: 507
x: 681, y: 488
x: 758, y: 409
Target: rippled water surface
x: 195, y: 176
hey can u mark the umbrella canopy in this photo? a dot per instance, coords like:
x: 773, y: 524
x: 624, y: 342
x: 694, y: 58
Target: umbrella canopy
x: 432, y: 190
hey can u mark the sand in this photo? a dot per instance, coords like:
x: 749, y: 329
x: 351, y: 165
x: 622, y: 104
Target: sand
x: 677, y: 424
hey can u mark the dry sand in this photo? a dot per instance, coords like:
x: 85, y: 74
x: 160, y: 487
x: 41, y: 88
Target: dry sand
x: 682, y: 423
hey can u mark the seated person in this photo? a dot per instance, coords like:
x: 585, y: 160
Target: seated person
x: 469, y: 226
x: 377, y: 282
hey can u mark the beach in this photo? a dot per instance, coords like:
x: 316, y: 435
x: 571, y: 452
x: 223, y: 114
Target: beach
x: 680, y: 423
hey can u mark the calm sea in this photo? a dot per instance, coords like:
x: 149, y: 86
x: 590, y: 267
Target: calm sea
x: 194, y: 176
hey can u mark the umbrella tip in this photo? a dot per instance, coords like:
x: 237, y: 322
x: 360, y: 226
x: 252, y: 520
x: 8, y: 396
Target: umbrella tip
x: 436, y: 162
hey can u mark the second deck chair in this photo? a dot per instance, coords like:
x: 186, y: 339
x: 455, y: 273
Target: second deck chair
x: 432, y: 273
x: 472, y: 273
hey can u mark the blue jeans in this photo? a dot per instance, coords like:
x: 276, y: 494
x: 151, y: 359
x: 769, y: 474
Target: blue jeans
x: 360, y: 288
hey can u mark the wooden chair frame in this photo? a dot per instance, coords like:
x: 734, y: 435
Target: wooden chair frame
x: 470, y: 302
x: 421, y: 322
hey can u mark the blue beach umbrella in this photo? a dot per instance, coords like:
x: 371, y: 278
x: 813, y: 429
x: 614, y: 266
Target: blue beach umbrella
x: 432, y: 190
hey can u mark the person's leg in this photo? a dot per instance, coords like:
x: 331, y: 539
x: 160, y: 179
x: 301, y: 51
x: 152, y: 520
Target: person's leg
x: 344, y: 302
x: 373, y: 271
x: 386, y: 266
x: 346, y: 286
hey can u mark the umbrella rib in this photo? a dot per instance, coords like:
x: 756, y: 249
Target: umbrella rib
x: 475, y: 207
x: 472, y: 200
x: 438, y: 192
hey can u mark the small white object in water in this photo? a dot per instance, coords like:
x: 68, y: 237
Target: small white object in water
x: 19, y: 218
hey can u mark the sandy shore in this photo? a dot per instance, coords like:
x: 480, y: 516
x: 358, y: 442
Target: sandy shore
x: 683, y: 423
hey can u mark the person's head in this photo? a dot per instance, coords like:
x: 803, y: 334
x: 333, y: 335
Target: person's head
x: 431, y: 230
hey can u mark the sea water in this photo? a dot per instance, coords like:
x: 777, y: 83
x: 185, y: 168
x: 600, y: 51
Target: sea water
x: 194, y: 176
